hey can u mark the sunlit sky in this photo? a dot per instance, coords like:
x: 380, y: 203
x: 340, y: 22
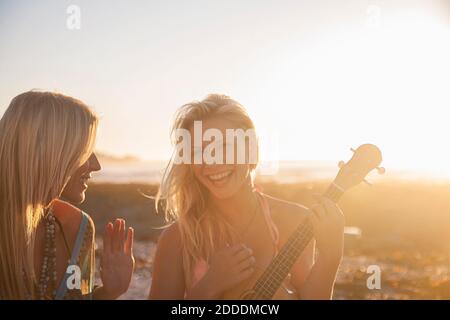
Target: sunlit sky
x: 318, y: 77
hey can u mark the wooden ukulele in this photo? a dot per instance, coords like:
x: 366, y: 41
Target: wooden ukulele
x: 268, y: 284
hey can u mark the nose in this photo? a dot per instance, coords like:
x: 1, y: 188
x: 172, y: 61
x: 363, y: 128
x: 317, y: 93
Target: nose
x: 94, y: 164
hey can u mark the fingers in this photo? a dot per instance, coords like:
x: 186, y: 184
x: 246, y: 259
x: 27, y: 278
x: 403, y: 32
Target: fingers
x: 314, y: 218
x: 318, y: 211
x: 129, y: 242
x: 107, y: 238
x: 323, y: 207
x: 326, y: 212
x: 330, y: 206
x: 249, y: 262
x: 243, y: 254
x: 122, y: 235
x: 235, y: 249
x: 244, y: 258
x: 115, y: 235
x: 118, y: 236
x: 245, y: 274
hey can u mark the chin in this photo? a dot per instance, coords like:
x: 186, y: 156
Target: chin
x: 81, y: 198
x: 77, y: 199
x: 223, y: 194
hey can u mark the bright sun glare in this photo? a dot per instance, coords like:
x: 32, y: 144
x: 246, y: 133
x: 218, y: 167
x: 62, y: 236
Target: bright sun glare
x: 388, y: 85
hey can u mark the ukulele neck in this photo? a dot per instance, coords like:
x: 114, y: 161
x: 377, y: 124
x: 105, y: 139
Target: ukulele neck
x: 268, y: 284
x: 334, y: 192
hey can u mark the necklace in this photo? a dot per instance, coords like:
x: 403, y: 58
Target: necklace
x: 47, y: 280
x: 241, y: 233
x: 255, y: 211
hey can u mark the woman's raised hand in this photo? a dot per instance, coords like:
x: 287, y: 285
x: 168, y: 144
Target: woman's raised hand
x: 117, y: 263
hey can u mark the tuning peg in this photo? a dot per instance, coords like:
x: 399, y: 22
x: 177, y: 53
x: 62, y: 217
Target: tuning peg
x: 381, y: 170
x: 352, y: 150
x: 367, y: 182
x: 341, y: 164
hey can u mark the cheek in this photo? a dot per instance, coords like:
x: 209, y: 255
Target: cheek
x: 70, y: 191
x: 73, y: 186
x: 69, y: 186
x: 242, y: 172
x: 197, y: 172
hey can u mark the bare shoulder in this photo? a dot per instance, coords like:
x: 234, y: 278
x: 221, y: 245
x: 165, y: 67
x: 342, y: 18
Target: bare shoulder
x: 68, y: 215
x: 286, y: 210
x: 70, y: 218
x: 170, y: 237
x: 168, y: 256
x: 168, y: 275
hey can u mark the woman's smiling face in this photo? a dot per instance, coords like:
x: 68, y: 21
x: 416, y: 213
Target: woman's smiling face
x: 75, y: 190
x: 221, y: 180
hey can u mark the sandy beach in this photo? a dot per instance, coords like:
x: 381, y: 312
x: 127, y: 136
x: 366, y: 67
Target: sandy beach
x: 407, y: 239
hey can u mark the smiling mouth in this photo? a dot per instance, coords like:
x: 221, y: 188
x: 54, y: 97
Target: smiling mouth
x: 84, y: 181
x: 220, y: 178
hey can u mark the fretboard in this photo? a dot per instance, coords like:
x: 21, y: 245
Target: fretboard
x: 269, y: 282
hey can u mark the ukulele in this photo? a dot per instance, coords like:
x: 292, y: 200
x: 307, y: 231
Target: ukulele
x: 268, y: 285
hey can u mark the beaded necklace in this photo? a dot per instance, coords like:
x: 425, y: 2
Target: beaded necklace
x: 47, y: 281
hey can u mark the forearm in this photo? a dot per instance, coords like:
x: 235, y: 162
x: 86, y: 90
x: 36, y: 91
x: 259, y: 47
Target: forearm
x: 320, y: 281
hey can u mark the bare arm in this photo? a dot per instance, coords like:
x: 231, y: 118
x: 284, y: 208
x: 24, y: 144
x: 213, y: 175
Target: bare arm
x: 168, y: 281
x: 320, y: 282
x: 315, y: 280
x: 228, y: 267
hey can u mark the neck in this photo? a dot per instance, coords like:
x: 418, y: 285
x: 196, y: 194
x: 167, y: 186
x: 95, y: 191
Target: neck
x: 238, y: 207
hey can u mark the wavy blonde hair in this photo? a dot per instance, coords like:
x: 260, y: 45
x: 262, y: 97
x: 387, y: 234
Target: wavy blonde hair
x: 202, y: 230
x: 44, y: 138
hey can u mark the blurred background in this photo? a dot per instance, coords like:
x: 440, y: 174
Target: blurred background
x: 317, y: 77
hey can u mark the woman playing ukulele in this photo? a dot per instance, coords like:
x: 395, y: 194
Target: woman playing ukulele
x: 226, y: 231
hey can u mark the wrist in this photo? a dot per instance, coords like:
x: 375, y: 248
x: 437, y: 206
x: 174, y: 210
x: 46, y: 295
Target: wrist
x: 210, y: 287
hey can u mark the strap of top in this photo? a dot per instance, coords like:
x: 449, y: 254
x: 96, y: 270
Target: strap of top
x: 62, y: 289
x: 273, y: 230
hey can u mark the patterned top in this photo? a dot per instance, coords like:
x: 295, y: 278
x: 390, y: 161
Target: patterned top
x: 82, y: 265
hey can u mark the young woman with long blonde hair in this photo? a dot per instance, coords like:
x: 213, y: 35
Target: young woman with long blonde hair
x: 225, y: 229
x: 46, y: 243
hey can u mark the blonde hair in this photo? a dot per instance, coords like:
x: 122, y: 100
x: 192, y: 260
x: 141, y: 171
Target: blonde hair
x: 202, y: 230
x: 44, y: 138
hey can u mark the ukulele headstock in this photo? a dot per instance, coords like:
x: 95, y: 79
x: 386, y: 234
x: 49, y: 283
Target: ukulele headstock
x: 366, y: 158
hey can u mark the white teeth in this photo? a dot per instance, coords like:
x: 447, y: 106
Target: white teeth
x: 219, y: 176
